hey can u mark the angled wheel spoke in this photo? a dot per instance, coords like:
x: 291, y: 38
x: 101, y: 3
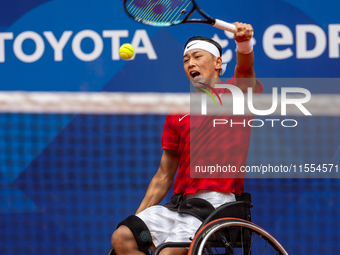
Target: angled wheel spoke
x: 238, y: 236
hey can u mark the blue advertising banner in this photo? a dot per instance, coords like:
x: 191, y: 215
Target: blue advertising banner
x: 73, y: 45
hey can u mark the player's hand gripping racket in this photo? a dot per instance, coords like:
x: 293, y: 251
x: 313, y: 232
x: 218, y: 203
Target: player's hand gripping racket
x: 170, y: 12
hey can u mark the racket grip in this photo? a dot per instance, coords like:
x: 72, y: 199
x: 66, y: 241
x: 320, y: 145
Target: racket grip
x: 225, y: 26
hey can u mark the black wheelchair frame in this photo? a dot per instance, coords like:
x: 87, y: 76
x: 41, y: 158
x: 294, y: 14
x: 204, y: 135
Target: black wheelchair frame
x: 228, y: 230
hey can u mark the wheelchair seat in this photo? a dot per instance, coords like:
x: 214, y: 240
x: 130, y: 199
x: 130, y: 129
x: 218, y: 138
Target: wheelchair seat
x: 238, y: 209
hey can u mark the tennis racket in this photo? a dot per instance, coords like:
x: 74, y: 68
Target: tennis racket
x: 171, y: 12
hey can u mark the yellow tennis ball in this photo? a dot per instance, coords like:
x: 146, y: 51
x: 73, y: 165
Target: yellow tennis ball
x: 126, y: 51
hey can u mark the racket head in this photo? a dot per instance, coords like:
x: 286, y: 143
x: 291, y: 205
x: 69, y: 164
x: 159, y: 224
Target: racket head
x: 159, y: 12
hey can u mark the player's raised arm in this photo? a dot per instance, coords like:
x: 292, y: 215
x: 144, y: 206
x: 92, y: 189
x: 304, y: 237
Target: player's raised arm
x: 244, y: 57
x: 162, y: 180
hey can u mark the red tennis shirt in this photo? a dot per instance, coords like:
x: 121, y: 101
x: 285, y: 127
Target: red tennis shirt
x: 221, y: 146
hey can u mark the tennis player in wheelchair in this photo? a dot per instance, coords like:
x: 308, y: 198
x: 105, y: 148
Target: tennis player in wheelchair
x: 195, y: 198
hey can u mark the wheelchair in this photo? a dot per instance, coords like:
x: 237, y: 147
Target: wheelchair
x: 228, y: 230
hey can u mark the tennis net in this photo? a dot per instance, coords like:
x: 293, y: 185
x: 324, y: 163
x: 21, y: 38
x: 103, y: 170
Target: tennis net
x: 31, y: 121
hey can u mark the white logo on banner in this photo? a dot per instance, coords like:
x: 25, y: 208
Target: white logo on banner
x: 140, y: 41
x: 282, y: 36
x: 278, y: 41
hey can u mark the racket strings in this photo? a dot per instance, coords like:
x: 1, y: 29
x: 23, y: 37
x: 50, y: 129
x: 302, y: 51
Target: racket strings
x: 153, y: 15
x: 162, y: 18
x: 158, y: 12
x: 137, y: 10
x: 180, y: 10
x: 148, y: 11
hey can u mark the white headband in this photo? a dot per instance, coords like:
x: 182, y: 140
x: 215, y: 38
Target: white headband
x: 204, y: 45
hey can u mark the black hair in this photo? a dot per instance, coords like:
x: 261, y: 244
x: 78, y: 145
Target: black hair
x: 202, y: 38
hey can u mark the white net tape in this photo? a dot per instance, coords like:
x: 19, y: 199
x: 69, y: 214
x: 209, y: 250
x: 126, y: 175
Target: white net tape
x: 93, y: 103
x: 140, y: 103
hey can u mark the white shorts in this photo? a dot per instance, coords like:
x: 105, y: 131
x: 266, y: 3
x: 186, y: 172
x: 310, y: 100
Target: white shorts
x: 170, y: 226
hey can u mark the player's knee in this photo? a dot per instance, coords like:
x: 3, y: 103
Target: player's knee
x: 132, y: 234
x: 122, y: 238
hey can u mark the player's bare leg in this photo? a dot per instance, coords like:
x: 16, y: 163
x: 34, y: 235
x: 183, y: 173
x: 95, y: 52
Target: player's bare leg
x: 174, y: 251
x: 124, y: 243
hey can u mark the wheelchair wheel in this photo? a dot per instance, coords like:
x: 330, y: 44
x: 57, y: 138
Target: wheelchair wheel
x: 231, y: 236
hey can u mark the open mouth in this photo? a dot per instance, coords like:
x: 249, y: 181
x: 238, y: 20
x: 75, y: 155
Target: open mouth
x: 195, y: 74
